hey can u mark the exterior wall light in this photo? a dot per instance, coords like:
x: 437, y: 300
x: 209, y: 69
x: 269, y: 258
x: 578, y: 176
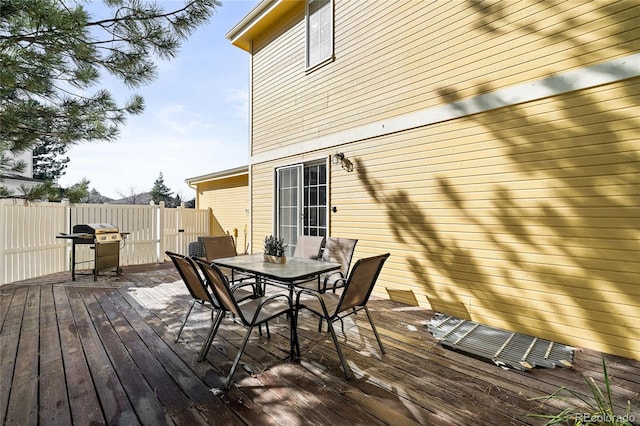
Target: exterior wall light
x: 339, y: 158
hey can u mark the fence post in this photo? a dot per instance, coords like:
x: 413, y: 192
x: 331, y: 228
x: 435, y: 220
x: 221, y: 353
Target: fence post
x: 180, y: 223
x: 3, y: 224
x: 161, y: 247
x: 68, y: 248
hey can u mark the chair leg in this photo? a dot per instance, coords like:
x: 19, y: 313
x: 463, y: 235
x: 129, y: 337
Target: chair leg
x: 293, y: 334
x: 237, y: 360
x: 210, y: 336
x: 345, y: 367
x: 373, y: 327
x: 185, y: 321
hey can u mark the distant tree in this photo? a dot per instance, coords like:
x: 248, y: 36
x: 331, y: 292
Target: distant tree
x: 134, y: 196
x: 191, y: 204
x: 49, y: 161
x: 94, y: 197
x: 161, y: 192
x: 54, y: 54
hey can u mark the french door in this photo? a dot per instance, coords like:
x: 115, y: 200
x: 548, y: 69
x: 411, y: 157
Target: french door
x: 301, y: 202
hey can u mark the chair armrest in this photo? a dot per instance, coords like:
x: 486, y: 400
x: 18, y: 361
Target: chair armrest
x: 266, y: 300
x: 335, y: 283
x: 315, y: 294
x: 331, y: 275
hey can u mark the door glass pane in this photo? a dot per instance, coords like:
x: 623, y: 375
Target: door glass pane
x: 288, y: 208
x: 306, y: 214
x: 315, y: 190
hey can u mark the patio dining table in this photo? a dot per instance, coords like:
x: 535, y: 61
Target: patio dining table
x: 281, y: 274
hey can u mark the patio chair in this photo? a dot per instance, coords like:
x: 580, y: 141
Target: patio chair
x: 216, y: 247
x: 197, y: 287
x: 308, y: 247
x: 332, y: 307
x: 339, y: 250
x: 249, y: 314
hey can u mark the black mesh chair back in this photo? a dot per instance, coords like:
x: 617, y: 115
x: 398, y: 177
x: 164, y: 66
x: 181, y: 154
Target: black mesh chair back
x: 250, y: 313
x: 340, y: 250
x: 361, y: 282
x: 195, y: 285
x: 333, y: 307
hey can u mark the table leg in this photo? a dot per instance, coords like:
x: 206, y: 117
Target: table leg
x: 73, y: 260
x: 295, y: 345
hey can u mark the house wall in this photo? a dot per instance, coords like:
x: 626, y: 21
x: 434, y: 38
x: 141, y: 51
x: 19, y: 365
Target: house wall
x: 394, y: 58
x: 228, y: 200
x: 522, y: 214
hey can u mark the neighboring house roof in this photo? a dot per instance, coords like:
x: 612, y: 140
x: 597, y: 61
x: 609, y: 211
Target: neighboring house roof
x: 217, y: 175
x: 14, y: 182
x: 261, y: 17
x: 19, y: 177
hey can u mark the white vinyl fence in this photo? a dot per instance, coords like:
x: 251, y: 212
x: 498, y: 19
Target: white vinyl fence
x: 29, y: 247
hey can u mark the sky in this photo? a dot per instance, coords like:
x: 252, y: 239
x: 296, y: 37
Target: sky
x: 195, y: 120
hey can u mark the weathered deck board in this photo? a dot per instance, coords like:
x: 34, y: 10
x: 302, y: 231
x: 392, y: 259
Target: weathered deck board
x: 104, y: 352
x: 54, y: 408
x: 82, y: 394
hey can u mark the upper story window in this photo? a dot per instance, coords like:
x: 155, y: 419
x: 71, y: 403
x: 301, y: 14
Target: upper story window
x: 319, y: 32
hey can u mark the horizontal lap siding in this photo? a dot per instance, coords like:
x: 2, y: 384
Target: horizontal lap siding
x: 262, y: 207
x: 228, y: 200
x: 525, y: 217
x: 394, y: 58
x: 535, y: 228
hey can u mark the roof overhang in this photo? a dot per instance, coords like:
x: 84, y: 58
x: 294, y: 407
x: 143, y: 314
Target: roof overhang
x: 263, y: 16
x: 238, y: 171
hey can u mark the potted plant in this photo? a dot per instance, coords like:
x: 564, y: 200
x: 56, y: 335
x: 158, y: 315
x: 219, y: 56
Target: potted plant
x: 274, y: 249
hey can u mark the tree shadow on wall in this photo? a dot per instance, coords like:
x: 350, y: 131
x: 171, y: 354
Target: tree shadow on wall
x: 567, y: 239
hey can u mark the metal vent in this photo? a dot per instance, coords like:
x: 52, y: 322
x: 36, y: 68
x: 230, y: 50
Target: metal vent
x: 506, y: 349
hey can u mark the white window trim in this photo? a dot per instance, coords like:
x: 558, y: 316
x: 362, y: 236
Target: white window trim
x: 330, y: 57
x: 320, y: 160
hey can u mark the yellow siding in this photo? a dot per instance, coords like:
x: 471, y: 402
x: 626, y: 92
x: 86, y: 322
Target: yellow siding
x: 524, y: 217
x: 228, y: 200
x: 398, y: 57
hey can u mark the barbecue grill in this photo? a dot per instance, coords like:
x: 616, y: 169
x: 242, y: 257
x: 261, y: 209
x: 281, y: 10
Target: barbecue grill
x: 106, y: 240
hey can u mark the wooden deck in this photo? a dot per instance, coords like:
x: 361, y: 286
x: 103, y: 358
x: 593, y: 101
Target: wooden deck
x: 103, y: 353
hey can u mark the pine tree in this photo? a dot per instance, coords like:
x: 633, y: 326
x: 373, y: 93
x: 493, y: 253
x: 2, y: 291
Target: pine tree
x: 161, y: 192
x: 49, y: 161
x: 53, y: 54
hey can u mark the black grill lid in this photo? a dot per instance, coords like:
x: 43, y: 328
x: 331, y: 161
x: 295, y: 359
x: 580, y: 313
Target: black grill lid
x: 94, y: 228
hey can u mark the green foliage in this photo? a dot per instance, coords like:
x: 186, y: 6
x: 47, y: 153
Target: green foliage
x: 48, y: 191
x: 8, y: 164
x: 53, y: 54
x: 274, y: 246
x: 161, y: 192
x: 77, y: 193
x: 45, y: 191
x: 595, y: 410
x: 49, y: 161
